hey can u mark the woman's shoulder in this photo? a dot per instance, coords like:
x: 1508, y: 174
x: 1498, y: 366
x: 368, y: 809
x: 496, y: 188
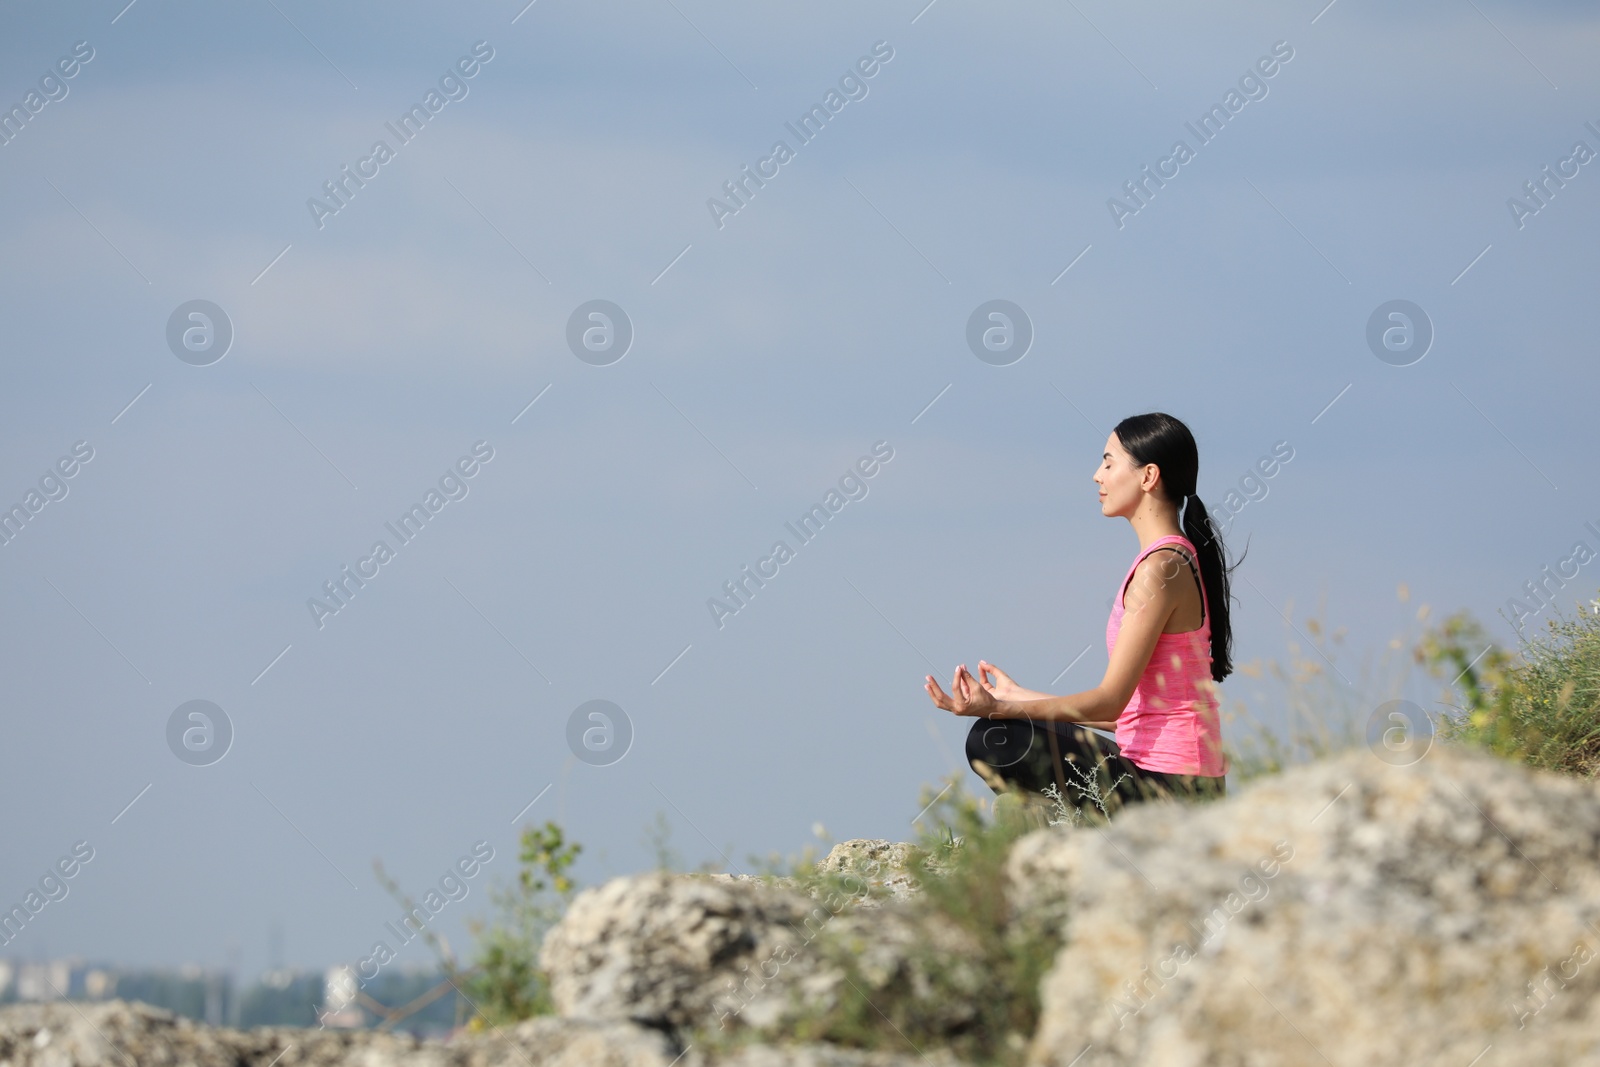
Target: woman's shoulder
x: 1167, y: 541
x: 1161, y: 573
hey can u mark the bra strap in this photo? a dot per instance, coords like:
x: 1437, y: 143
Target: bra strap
x: 1187, y: 558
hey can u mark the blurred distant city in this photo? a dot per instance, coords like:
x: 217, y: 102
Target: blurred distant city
x: 417, y: 1001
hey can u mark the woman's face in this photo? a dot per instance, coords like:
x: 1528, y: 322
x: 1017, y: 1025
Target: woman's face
x: 1120, y: 482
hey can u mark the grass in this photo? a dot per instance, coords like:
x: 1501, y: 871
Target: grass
x: 1322, y: 699
x: 1540, y: 706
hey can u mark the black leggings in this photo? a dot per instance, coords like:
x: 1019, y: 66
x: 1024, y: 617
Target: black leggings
x: 1083, y: 767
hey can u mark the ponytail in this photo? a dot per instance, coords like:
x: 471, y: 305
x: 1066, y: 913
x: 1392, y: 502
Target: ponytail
x: 1199, y: 527
x: 1160, y: 439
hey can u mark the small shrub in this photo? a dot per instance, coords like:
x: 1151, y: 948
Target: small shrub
x: 1540, y: 706
x: 506, y: 984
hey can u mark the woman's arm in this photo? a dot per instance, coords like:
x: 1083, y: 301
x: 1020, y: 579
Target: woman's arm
x: 1004, y: 688
x: 1108, y: 723
x: 968, y: 697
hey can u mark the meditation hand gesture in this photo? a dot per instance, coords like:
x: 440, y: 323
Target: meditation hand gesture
x: 966, y: 697
x: 1002, y: 687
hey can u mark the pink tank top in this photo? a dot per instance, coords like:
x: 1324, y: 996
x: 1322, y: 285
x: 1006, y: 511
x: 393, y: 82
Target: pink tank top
x: 1171, y: 723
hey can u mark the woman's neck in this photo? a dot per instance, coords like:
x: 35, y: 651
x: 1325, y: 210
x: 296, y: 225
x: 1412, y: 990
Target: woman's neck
x: 1154, y: 519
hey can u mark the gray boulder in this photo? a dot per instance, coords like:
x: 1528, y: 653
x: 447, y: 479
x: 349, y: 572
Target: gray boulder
x: 829, y: 1056
x: 874, y: 871
x: 689, y: 953
x: 1345, y: 913
x: 676, y: 951
x: 884, y: 865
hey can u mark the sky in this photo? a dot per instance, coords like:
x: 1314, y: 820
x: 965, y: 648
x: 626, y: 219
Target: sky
x: 423, y: 330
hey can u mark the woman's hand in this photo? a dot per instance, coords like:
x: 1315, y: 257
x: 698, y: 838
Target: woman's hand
x: 966, y: 696
x: 1002, y: 687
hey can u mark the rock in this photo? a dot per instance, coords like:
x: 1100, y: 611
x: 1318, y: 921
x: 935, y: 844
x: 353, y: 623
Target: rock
x: 1344, y: 913
x: 123, y: 1034
x: 554, y: 1042
x: 771, y: 880
x: 669, y: 950
x: 868, y: 855
x: 119, y: 1034
x: 831, y: 1056
x: 885, y: 866
x: 1037, y: 875
x: 686, y: 953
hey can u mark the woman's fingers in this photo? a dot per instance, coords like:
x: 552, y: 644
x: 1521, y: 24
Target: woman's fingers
x: 972, y: 692
x: 978, y: 697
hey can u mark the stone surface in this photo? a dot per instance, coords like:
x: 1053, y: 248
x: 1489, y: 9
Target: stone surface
x: 1346, y: 913
x: 556, y: 1042
x: 831, y: 1056
x: 687, y: 953
x: 119, y: 1034
x: 884, y: 865
x: 669, y: 950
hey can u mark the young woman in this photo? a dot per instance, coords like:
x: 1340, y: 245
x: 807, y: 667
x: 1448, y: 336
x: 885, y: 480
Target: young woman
x: 1169, y: 641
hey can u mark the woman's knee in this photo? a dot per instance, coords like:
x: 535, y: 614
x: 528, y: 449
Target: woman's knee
x: 999, y: 742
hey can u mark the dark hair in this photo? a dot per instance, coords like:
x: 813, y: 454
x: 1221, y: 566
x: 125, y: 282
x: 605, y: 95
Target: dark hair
x: 1160, y: 439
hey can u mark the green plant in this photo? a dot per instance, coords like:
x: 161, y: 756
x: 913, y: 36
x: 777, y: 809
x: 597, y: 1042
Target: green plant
x: 506, y: 984
x: 1540, y: 706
